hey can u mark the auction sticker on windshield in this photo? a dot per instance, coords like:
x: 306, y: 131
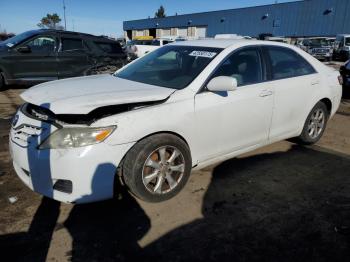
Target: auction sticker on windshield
x: 203, y: 54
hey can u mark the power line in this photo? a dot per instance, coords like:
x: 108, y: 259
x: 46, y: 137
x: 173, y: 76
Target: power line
x: 64, y: 14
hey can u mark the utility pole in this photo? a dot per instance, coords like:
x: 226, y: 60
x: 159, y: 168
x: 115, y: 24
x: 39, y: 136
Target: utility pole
x: 64, y: 14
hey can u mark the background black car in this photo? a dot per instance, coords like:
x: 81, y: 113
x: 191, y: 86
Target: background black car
x: 345, y: 73
x: 44, y: 55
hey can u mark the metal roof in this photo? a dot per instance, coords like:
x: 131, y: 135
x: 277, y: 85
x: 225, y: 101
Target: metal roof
x: 301, y: 18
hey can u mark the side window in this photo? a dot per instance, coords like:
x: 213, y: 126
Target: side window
x: 42, y: 44
x: 165, y: 42
x: 286, y: 63
x: 244, y: 65
x: 72, y: 44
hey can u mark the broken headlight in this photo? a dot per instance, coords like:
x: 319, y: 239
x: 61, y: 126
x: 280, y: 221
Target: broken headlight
x: 76, y: 137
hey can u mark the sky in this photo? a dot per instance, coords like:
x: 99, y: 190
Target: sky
x: 104, y: 16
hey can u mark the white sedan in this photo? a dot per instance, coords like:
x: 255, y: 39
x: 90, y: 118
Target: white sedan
x: 184, y: 106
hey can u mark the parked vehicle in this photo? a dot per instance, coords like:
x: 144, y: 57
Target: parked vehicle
x: 43, y: 55
x: 319, y: 47
x: 279, y: 39
x: 345, y: 73
x: 184, y: 106
x: 138, y: 48
x: 342, y: 48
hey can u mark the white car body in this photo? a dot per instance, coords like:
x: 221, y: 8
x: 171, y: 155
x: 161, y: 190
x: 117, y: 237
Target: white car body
x: 215, y: 127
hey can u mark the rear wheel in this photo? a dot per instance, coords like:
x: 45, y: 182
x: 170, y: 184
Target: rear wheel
x: 157, y: 167
x: 315, y: 125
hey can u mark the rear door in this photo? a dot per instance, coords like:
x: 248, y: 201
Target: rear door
x: 38, y: 62
x: 73, y: 57
x: 110, y: 53
x: 293, y: 81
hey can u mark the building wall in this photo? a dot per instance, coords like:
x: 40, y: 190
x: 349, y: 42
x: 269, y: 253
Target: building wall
x: 294, y: 19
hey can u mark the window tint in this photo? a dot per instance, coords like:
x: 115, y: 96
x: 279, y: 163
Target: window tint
x: 71, y: 44
x: 110, y: 48
x: 244, y: 65
x: 286, y: 63
x: 42, y: 44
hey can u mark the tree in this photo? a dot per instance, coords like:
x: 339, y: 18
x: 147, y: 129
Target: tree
x: 160, y: 12
x: 50, y: 21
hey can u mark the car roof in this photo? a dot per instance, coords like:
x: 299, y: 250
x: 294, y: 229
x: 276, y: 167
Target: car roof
x: 41, y: 31
x: 225, y: 43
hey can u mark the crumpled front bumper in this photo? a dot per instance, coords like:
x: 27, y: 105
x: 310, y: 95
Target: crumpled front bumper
x: 90, y: 170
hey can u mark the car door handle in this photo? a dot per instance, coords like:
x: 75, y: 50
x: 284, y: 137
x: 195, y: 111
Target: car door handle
x: 315, y: 82
x: 266, y: 93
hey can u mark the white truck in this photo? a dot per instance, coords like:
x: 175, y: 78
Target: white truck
x: 138, y: 48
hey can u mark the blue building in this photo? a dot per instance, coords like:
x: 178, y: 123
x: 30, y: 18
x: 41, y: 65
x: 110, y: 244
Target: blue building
x: 294, y: 19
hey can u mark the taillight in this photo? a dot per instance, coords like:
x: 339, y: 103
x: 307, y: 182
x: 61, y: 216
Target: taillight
x: 340, y: 79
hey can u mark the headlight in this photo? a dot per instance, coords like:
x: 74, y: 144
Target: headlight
x: 77, y: 137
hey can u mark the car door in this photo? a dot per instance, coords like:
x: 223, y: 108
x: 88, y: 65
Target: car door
x: 35, y: 59
x: 73, y: 57
x: 293, y: 81
x: 239, y: 119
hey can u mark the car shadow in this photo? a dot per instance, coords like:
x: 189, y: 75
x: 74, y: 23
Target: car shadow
x: 107, y: 230
x: 283, y: 206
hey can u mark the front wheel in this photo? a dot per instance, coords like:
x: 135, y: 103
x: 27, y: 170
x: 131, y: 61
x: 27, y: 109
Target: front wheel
x: 315, y: 125
x: 157, y: 167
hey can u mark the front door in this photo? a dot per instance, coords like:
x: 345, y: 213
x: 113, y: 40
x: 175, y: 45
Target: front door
x: 37, y: 62
x: 230, y: 121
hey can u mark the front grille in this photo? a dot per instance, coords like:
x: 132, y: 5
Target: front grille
x: 38, y: 112
x: 64, y: 186
x: 321, y: 50
x: 26, y: 134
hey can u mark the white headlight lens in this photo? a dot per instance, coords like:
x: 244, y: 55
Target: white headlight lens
x: 77, y: 137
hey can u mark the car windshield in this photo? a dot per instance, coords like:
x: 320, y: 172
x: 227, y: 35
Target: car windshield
x: 18, y: 38
x: 170, y: 66
x: 347, y: 41
x: 320, y: 42
x: 156, y: 42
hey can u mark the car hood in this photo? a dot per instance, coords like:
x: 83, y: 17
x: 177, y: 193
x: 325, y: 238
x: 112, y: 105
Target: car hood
x: 81, y: 95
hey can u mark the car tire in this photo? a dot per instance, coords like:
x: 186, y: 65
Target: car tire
x: 157, y: 167
x: 315, y: 125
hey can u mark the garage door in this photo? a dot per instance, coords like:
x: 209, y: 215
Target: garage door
x: 201, y: 31
x: 139, y: 32
x: 182, y: 31
x: 166, y: 32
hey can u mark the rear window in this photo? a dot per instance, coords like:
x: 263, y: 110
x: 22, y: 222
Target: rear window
x: 110, y: 48
x: 72, y: 44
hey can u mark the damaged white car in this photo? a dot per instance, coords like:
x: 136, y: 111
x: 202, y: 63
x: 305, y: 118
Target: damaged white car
x: 184, y: 106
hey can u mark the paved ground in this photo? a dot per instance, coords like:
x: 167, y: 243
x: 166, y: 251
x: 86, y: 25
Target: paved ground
x: 283, y: 202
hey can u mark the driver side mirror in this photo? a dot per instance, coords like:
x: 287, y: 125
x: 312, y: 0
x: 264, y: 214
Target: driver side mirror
x: 222, y: 83
x: 24, y: 49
